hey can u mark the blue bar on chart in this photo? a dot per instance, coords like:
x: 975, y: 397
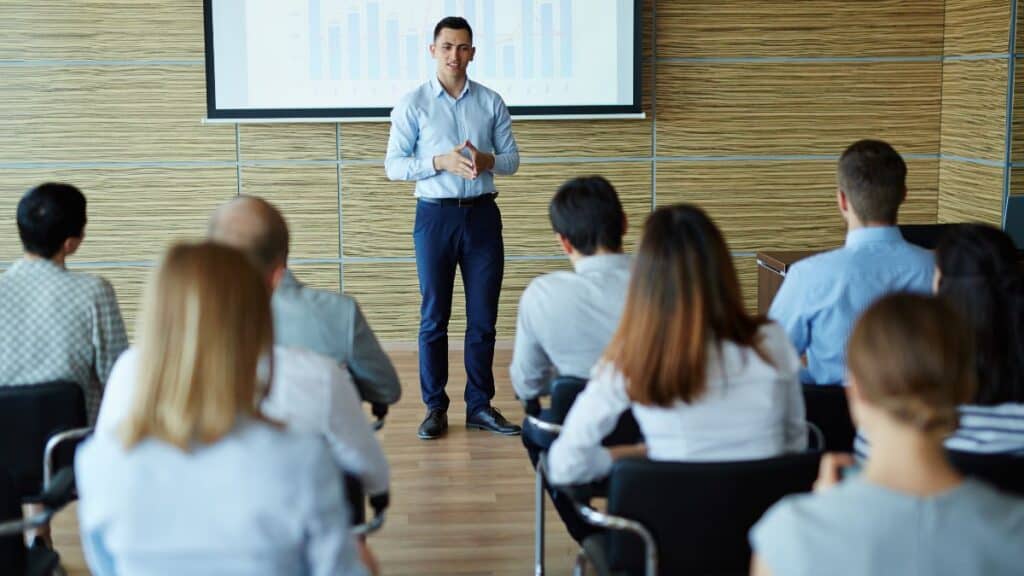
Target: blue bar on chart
x: 547, y: 40
x: 490, y: 51
x: 509, y: 57
x: 527, y: 41
x: 565, y: 25
x: 393, y: 48
x: 449, y: 8
x: 412, y: 56
x: 353, y: 46
x: 373, y: 40
x: 334, y: 50
x: 316, y: 64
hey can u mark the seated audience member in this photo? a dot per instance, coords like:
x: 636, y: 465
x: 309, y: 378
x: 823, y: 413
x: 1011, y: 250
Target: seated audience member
x: 566, y: 319
x: 977, y: 272
x: 705, y: 380
x: 310, y: 392
x: 197, y: 480
x: 909, y: 511
x: 56, y: 324
x: 823, y: 295
x: 325, y: 322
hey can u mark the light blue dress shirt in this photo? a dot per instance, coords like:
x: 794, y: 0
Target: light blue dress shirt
x: 259, y: 502
x: 428, y: 122
x: 823, y: 295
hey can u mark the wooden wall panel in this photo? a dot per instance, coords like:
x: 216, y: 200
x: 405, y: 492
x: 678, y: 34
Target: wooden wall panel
x: 970, y: 193
x: 1017, y: 182
x: 974, y: 109
x: 389, y: 295
x: 365, y: 141
x: 108, y: 113
x: 288, y: 142
x: 308, y: 198
x: 699, y: 28
x: 133, y: 213
x: 1017, y: 134
x: 322, y: 276
x: 778, y: 108
x: 977, y: 26
x: 379, y: 215
x: 101, y: 30
x: 746, y: 269
x: 781, y: 205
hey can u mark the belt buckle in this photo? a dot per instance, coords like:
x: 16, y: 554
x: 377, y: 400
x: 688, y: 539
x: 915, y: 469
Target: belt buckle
x: 459, y: 202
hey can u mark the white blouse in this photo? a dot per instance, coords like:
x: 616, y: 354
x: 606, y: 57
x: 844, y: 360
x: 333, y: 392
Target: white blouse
x: 751, y: 409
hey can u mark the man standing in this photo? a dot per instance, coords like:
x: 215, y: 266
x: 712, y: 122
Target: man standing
x: 450, y: 136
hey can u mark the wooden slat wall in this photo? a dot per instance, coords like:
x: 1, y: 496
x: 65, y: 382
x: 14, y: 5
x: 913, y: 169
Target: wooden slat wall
x: 749, y: 105
x: 974, y: 107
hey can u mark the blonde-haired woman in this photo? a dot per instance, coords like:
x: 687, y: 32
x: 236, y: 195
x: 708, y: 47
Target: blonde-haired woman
x: 909, y: 366
x: 197, y: 481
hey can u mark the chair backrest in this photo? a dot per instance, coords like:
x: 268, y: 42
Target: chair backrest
x: 29, y: 415
x: 699, y: 512
x: 355, y: 498
x: 1003, y: 471
x: 564, y: 390
x: 828, y: 409
x: 12, y: 548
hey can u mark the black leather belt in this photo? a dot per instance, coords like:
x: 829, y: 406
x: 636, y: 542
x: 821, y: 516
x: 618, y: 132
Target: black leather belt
x: 460, y: 202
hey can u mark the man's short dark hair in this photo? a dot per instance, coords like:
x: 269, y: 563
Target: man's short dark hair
x: 587, y: 212
x: 48, y: 215
x: 453, y: 23
x: 874, y: 178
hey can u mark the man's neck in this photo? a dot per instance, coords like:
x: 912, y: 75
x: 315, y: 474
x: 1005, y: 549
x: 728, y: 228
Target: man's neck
x: 453, y: 86
x: 57, y: 259
x: 855, y: 224
x: 575, y: 256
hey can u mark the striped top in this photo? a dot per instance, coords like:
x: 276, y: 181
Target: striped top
x: 983, y: 429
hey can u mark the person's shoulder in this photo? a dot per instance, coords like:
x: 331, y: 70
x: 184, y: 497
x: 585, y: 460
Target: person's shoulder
x: 318, y: 298
x: 411, y: 99
x: 819, y: 267
x: 95, y: 286
x: 772, y: 338
x: 1001, y: 511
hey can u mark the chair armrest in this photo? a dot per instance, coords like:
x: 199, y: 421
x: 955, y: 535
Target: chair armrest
x: 531, y: 406
x: 544, y: 425
x: 380, y: 412
x: 819, y: 436
x: 611, y: 522
x: 55, y: 441
x: 379, y: 503
x: 59, y: 492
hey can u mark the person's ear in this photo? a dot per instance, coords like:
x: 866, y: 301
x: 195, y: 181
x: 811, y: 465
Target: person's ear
x: 472, y: 53
x: 564, y: 243
x: 276, y: 275
x: 71, y: 245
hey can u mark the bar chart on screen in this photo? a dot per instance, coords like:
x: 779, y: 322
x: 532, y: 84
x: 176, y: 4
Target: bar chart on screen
x: 367, y: 53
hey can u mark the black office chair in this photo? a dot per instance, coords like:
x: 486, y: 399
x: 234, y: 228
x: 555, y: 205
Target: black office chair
x: 689, y: 517
x: 356, y: 495
x: 827, y: 408
x: 30, y: 416
x: 12, y: 546
x: 1003, y: 471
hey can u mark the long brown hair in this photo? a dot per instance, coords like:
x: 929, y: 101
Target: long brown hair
x: 205, y: 330
x: 684, y: 296
x: 912, y: 356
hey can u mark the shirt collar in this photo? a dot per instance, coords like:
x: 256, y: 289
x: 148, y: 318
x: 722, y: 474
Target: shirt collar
x: 288, y: 280
x: 25, y: 265
x: 601, y: 262
x: 438, y: 89
x: 887, y: 234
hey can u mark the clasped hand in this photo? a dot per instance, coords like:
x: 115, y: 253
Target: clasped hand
x: 465, y: 160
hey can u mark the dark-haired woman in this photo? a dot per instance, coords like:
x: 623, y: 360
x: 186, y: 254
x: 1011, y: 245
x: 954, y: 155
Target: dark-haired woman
x: 705, y: 380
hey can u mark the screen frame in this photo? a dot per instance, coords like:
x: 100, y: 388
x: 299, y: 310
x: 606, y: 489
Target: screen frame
x: 340, y: 114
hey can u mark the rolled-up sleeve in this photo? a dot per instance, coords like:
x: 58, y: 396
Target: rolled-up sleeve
x: 506, y: 151
x: 401, y: 162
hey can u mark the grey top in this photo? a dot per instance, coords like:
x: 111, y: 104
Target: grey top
x: 332, y: 324
x: 566, y: 320
x: 58, y: 325
x: 861, y: 528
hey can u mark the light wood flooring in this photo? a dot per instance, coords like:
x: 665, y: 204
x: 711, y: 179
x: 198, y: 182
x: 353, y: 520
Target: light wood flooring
x: 462, y: 505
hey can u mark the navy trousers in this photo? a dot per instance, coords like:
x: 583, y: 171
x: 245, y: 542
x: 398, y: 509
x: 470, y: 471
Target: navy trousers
x: 468, y: 237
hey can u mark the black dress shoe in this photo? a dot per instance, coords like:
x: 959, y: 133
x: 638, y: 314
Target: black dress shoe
x: 435, y: 425
x: 492, y: 420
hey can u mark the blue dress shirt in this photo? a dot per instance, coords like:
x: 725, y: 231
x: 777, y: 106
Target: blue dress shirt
x: 823, y: 295
x: 428, y: 122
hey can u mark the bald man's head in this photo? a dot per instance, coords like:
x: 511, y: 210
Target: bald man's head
x: 255, y: 227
